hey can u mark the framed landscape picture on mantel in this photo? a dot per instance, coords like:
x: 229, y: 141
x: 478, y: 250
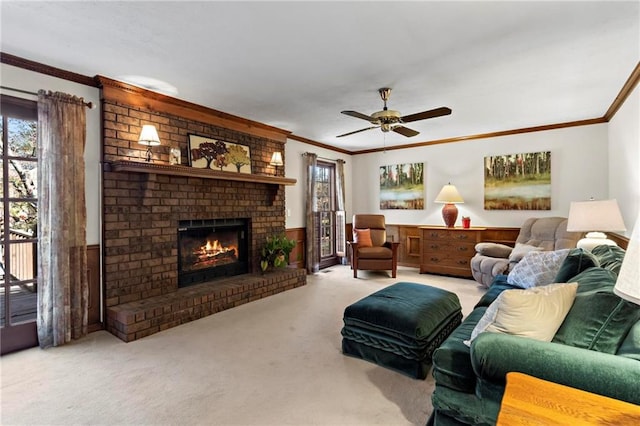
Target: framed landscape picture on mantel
x: 214, y: 154
x: 518, y: 181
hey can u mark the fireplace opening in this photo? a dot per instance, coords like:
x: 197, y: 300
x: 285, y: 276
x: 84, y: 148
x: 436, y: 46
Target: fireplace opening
x: 211, y: 249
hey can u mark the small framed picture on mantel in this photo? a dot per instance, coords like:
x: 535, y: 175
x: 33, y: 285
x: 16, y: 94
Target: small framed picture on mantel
x: 215, y: 154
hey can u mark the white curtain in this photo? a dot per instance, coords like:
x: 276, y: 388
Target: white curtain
x: 62, y: 218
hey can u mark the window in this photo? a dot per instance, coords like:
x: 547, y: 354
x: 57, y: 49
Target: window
x: 18, y: 211
x: 326, y: 195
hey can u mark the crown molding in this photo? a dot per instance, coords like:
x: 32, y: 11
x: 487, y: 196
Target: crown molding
x: 26, y: 64
x: 128, y: 94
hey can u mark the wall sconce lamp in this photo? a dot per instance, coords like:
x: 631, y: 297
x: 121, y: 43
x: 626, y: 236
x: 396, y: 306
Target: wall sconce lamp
x: 276, y: 161
x: 595, y: 218
x: 149, y: 137
x: 449, y: 196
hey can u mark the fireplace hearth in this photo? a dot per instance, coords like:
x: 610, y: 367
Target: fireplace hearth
x: 211, y: 249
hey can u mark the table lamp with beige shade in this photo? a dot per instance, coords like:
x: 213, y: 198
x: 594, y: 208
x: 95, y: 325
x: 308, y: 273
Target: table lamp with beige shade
x: 449, y: 196
x: 595, y: 217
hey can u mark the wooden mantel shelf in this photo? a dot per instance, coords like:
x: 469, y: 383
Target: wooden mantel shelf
x: 167, y: 169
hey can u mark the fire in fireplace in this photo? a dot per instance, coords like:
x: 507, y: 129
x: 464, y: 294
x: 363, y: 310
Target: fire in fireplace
x: 211, y: 249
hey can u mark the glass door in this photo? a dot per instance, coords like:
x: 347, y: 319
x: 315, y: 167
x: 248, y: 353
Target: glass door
x: 326, y: 195
x: 18, y: 224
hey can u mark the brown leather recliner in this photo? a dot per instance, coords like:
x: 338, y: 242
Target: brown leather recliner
x: 381, y: 254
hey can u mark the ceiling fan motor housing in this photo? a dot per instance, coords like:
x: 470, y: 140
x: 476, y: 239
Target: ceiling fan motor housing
x: 385, y: 119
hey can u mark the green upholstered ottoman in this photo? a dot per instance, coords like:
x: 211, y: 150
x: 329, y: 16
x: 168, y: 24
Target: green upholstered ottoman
x: 400, y: 326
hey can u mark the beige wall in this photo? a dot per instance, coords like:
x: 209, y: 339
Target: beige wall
x: 624, y: 159
x: 600, y: 161
x: 19, y: 78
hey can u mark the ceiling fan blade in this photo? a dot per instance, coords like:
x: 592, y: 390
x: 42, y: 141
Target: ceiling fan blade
x: 357, y: 131
x: 438, y: 112
x: 360, y: 115
x: 405, y: 131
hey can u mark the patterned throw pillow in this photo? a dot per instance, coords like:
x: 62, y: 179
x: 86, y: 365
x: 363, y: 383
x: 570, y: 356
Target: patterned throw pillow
x: 536, y: 313
x: 362, y: 237
x: 537, y: 268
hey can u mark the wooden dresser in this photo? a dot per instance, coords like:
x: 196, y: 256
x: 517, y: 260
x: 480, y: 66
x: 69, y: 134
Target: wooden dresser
x: 448, y: 250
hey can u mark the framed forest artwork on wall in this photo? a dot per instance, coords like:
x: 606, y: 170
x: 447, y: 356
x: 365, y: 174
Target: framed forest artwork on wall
x: 402, y: 186
x: 518, y: 181
x: 210, y: 153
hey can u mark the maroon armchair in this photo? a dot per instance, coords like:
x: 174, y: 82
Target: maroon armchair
x: 370, y: 249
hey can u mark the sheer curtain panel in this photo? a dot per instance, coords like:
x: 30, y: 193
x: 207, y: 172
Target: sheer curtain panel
x: 62, y: 217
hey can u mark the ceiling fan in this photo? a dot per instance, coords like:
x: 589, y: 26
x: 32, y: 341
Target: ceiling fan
x: 390, y: 120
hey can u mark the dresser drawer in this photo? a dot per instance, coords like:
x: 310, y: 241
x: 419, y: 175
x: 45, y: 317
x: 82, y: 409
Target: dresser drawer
x: 464, y: 249
x: 450, y: 236
x: 445, y: 259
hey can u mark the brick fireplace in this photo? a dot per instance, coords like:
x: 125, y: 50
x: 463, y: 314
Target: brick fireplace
x: 144, y: 206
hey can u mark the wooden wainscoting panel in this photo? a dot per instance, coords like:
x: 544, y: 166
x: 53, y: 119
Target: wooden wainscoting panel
x: 93, y: 277
x: 409, y: 250
x: 506, y: 236
x: 297, y: 256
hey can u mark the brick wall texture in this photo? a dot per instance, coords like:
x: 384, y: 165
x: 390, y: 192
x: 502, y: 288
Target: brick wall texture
x: 142, y: 210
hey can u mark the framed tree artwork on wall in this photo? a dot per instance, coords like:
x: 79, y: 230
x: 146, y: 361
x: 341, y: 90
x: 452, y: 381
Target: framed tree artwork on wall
x: 215, y: 154
x: 518, y: 181
x: 402, y: 186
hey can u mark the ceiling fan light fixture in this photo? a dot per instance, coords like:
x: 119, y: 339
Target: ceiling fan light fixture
x: 389, y: 120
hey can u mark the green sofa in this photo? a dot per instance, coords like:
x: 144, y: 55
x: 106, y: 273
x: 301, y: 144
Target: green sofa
x: 596, y: 349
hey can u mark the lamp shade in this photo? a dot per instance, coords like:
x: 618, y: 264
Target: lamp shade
x: 628, y: 283
x: 276, y: 159
x: 603, y: 216
x: 594, y: 217
x: 149, y: 136
x: 449, y: 195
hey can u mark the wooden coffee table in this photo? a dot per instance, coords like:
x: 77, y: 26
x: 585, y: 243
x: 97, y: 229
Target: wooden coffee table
x: 531, y: 401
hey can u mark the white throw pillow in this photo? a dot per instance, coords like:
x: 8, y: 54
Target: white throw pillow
x: 537, y: 268
x: 536, y: 313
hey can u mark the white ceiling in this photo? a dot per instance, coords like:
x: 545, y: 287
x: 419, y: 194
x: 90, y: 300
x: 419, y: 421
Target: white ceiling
x: 296, y: 65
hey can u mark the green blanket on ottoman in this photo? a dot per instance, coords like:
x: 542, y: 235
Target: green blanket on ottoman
x: 400, y: 326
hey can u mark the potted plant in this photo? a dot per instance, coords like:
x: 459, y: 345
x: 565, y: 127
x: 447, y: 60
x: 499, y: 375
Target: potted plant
x: 275, y: 253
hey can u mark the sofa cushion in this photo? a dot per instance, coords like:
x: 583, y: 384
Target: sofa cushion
x: 599, y: 320
x: 535, y: 313
x: 576, y: 261
x: 630, y: 347
x: 452, y: 361
x: 594, y: 278
x: 610, y: 257
x: 537, y: 268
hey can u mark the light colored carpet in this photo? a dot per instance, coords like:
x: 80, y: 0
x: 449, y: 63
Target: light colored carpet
x: 276, y: 361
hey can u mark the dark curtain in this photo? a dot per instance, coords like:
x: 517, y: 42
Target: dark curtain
x: 313, y: 255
